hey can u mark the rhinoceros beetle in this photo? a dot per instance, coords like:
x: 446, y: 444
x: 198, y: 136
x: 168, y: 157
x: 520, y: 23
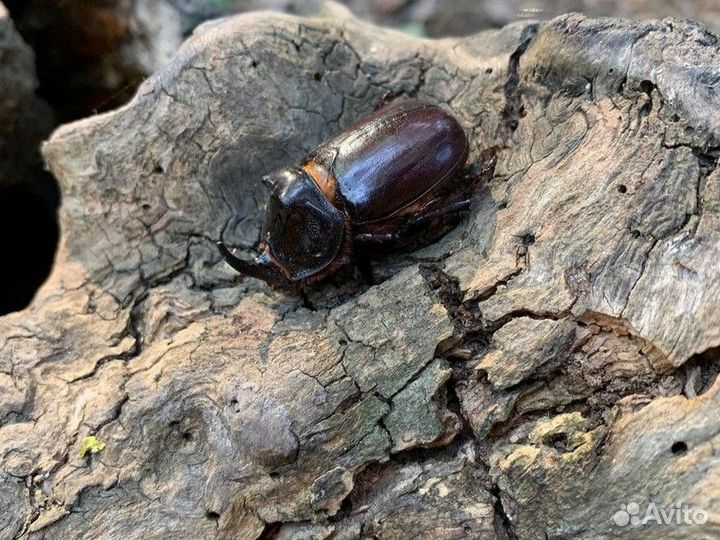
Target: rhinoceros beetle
x: 386, y: 181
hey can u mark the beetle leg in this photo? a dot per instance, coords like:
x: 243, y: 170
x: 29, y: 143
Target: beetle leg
x: 452, y: 209
x: 387, y: 98
x: 483, y: 169
x: 365, y: 268
x: 376, y: 238
x: 410, y: 229
x: 432, y: 221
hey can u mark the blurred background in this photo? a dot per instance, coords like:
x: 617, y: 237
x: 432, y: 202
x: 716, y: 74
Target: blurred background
x: 61, y: 60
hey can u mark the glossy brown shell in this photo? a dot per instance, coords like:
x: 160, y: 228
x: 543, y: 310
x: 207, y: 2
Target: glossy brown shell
x: 393, y: 157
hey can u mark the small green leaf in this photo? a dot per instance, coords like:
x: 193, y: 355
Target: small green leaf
x: 92, y: 445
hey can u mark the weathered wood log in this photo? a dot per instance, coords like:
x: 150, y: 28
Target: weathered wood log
x: 547, y: 362
x: 93, y: 55
x: 463, y: 17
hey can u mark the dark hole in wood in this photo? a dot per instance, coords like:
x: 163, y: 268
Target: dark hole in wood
x: 679, y: 448
x: 556, y: 439
x: 271, y: 531
x: 647, y: 86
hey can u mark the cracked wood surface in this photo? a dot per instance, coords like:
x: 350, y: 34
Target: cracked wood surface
x: 521, y: 378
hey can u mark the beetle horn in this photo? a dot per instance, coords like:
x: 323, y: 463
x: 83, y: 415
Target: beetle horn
x: 261, y: 267
x: 269, y: 182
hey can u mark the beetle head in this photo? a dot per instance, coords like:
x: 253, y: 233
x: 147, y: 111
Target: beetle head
x: 302, y: 234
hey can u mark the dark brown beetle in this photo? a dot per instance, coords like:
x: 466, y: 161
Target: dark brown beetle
x: 386, y: 181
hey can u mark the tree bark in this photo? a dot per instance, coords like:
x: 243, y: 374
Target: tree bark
x: 547, y: 362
